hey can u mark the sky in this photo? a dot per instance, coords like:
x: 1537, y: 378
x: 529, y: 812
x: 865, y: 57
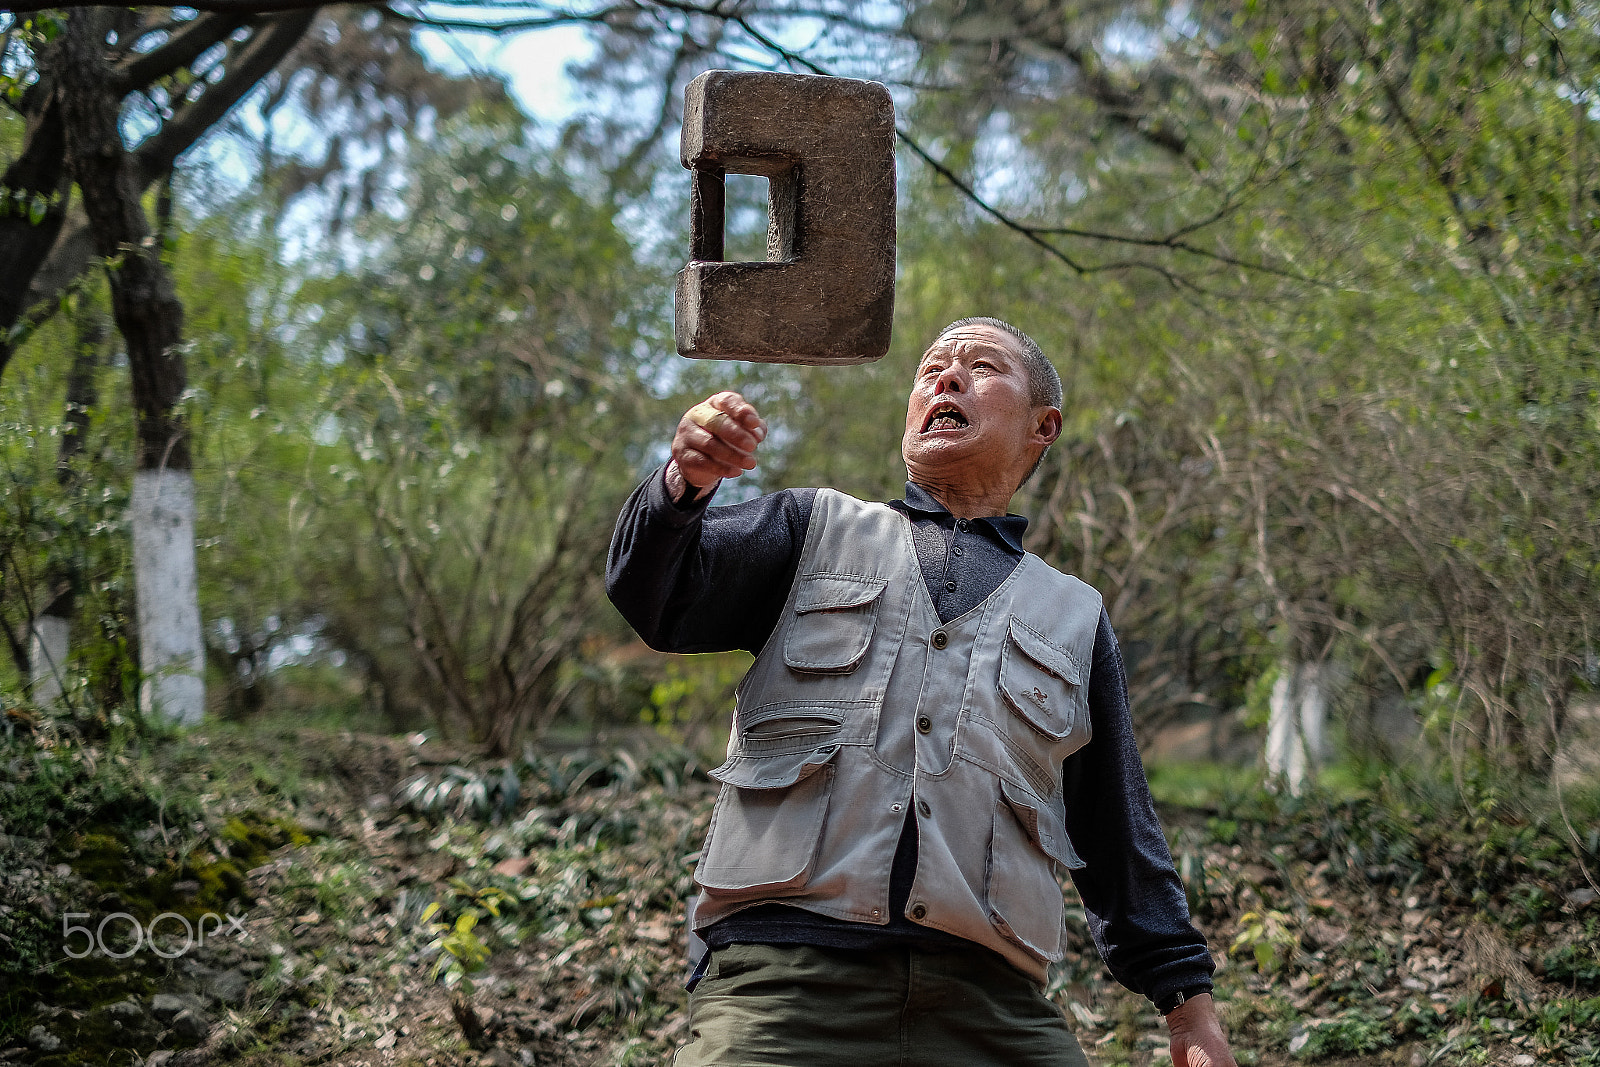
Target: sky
x: 534, y: 63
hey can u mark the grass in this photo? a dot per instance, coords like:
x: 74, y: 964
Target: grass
x: 1201, y: 785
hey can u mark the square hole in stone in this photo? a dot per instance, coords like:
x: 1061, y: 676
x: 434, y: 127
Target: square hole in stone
x: 745, y: 228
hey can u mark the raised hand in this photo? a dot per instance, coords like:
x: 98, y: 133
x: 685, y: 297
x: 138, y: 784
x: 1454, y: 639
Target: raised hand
x: 716, y: 439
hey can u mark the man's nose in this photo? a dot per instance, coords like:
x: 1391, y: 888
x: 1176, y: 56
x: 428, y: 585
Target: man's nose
x: 950, y: 381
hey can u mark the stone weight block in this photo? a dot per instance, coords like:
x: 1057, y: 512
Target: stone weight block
x: 825, y: 294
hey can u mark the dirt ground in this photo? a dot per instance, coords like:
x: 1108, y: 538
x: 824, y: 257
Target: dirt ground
x: 577, y: 877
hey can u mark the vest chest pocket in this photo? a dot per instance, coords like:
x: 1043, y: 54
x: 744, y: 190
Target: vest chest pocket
x: 1041, y: 681
x: 835, y: 615
x: 768, y: 821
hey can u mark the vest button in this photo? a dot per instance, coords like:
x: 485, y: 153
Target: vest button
x: 919, y: 911
x: 950, y: 586
x: 940, y: 639
x: 922, y: 806
x: 924, y: 724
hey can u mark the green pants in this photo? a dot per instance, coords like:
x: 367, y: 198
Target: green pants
x: 798, y: 1006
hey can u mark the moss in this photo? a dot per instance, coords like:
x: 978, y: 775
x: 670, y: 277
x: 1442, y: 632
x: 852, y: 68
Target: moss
x: 87, y: 986
x: 101, y: 859
x: 103, y: 856
x: 251, y: 837
x: 221, y: 882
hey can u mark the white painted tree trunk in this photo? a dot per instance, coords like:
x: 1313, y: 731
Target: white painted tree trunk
x: 47, y: 657
x: 1296, y: 727
x: 167, y: 588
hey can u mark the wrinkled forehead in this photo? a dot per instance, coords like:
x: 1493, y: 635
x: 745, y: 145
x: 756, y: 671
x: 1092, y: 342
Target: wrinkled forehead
x: 971, y: 340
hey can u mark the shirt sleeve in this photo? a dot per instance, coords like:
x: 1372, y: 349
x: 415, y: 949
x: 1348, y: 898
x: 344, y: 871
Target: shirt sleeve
x: 1137, y: 912
x: 693, y: 578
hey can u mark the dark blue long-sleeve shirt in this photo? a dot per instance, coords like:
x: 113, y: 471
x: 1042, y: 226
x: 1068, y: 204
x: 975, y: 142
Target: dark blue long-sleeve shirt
x: 674, y: 571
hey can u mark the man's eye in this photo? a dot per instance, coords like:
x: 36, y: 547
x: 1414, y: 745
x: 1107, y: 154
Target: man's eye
x: 983, y: 364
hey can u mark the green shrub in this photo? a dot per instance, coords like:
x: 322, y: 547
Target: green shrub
x: 1351, y: 1034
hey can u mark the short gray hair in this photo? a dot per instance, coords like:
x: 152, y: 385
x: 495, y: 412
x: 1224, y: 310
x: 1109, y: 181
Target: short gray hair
x: 1044, y: 384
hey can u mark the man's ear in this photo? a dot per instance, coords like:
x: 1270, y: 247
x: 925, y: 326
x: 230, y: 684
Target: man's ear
x: 1047, y: 426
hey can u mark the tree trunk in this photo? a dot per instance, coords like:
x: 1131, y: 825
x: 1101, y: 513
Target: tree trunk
x: 150, y: 318
x: 47, y: 657
x: 1296, y: 728
x: 39, y: 177
x: 167, y: 591
x: 52, y: 629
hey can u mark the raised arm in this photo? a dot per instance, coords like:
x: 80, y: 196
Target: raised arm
x: 692, y: 580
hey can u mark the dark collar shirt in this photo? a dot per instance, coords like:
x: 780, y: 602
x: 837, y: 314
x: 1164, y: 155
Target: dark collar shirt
x: 675, y: 571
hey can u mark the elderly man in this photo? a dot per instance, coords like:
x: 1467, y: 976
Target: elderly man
x: 935, y: 724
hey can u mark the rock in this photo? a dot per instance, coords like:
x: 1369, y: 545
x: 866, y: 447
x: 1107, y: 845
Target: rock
x: 166, y: 1006
x: 125, y: 1011
x: 825, y: 294
x: 191, y: 1025
x: 229, y: 987
x: 1582, y: 896
x: 514, y: 866
x: 42, y: 1040
x: 498, y: 1057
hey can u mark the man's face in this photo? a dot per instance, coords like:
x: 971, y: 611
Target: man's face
x: 969, y: 410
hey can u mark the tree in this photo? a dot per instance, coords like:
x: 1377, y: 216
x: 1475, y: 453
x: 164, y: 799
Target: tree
x: 488, y: 405
x: 70, y: 82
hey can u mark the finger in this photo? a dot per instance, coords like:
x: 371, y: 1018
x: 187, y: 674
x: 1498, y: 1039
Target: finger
x: 720, y: 448
x: 700, y: 469
x: 724, y: 425
x: 742, y: 412
x: 704, y: 414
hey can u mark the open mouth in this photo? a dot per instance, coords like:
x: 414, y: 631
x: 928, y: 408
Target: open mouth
x: 944, y: 417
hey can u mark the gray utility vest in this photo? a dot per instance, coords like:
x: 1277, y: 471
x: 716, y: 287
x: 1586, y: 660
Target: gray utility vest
x: 862, y: 702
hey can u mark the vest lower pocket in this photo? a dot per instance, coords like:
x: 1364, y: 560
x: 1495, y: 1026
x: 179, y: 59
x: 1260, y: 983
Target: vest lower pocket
x: 767, y: 825
x: 1024, y: 898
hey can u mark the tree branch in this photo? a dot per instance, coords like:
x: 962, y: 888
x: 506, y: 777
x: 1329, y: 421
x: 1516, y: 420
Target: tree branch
x: 255, y: 61
x: 183, y: 48
x: 231, y: 7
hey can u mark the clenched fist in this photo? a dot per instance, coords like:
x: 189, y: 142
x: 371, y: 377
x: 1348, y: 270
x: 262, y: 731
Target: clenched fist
x: 716, y: 439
